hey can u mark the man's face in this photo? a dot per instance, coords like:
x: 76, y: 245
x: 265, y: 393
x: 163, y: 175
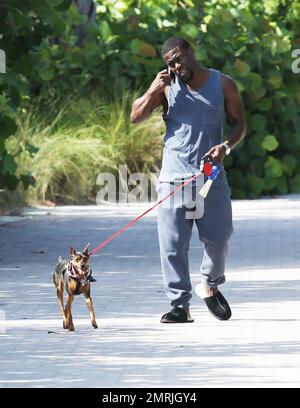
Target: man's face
x: 181, y: 62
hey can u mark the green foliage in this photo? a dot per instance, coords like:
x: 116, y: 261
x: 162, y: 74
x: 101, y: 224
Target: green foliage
x: 23, y: 25
x: 78, y: 139
x: 251, y: 41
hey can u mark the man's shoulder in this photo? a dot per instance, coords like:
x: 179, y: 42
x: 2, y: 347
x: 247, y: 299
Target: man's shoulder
x: 228, y: 83
x: 226, y: 78
x: 223, y: 77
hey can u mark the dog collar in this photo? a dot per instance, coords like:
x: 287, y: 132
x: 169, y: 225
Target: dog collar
x: 77, y: 273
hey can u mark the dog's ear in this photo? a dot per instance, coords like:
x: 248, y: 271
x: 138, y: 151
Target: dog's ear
x: 86, y: 248
x: 72, y: 250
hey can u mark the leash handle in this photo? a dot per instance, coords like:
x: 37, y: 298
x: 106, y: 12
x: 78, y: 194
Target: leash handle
x: 213, y: 174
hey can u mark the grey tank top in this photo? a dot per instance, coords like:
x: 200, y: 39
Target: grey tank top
x: 194, y: 123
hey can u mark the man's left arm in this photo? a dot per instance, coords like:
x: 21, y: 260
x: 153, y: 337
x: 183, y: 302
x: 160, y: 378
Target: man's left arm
x: 235, y: 112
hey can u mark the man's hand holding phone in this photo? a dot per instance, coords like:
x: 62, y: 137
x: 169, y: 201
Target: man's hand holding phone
x: 172, y: 75
x: 163, y: 79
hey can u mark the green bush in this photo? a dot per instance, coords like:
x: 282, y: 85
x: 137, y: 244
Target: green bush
x: 77, y: 139
x: 23, y: 26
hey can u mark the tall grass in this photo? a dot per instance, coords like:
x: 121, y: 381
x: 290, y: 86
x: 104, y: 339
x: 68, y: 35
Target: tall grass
x: 78, y: 138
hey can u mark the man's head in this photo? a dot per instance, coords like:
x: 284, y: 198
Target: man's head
x: 179, y: 56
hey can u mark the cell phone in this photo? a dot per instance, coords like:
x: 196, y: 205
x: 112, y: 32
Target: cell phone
x: 172, y: 75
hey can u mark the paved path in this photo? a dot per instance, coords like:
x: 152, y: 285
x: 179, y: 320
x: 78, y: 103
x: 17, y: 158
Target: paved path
x: 258, y: 347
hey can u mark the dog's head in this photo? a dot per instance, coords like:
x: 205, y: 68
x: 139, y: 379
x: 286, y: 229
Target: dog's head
x: 80, y: 259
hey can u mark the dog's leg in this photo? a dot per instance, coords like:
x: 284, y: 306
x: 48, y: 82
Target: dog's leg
x: 60, y: 297
x: 68, y: 311
x: 89, y: 303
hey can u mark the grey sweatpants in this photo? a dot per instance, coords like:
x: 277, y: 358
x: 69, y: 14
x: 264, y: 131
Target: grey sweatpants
x: 176, y: 217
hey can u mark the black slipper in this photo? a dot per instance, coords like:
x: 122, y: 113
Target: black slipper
x: 218, y: 306
x: 176, y: 315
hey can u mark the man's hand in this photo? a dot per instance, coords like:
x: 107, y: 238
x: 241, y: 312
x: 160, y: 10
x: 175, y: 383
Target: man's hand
x: 217, y: 153
x: 161, y: 80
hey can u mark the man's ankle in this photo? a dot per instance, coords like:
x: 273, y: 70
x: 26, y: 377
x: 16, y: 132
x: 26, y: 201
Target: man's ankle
x: 204, y: 291
x: 210, y: 291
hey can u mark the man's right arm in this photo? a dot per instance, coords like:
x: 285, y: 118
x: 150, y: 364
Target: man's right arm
x: 152, y: 99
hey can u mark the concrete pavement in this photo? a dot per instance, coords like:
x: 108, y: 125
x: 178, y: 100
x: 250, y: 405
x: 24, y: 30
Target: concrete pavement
x: 258, y: 347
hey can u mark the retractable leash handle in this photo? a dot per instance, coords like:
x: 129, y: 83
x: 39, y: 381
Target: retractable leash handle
x: 211, y: 171
x: 204, y: 160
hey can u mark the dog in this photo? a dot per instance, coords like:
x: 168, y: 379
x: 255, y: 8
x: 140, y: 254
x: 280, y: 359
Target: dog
x: 74, y: 276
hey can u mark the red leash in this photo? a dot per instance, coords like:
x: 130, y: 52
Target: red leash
x: 144, y: 213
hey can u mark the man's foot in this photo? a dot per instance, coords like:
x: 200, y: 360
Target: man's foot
x: 215, y: 302
x: 177, y: 315
x: 92, y: 279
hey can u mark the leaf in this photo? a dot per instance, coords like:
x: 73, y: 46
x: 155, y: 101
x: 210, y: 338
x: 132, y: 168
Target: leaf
x: 105, y: 30
x: 154, y: 63
x: 9, y: 181
x: 200, y: 54
x: 289, y: 164
x: 7, y: 127
x: 270, y: 6
x: 273, y: 167
x: 260, y: 93
x: 255, y: 147
x: 282, y: 185
x: 264, y: 104
x: 32, y: 149
x: 191, y: 30
x: 9, y: 166
x: 27, y: 180
x: 63, y: 5
x: 2, y: 146
x: 284, y: 44
x: 270, y: 182
x: 255, y: 184
x: 258, y: 123
x: 135, y: 45
x: 139, y: 47
x: 53, y: 3
x: 236, y: 178
x: 275, y: 81
x: 58, y: 23
x: 148, y: 50
x: 240, y: 85
x: 242, y: 67
x: 295, y: 184
x: 255, y: 81
x: 297, y: 97
x: 270, y: 143
x: 46, y: 75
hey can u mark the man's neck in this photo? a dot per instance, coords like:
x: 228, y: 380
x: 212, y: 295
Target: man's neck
x: 201, y: 75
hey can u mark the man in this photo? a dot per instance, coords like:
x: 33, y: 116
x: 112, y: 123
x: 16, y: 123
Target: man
x: 195, y: 102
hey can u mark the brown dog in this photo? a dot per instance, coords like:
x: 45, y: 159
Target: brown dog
x: 74, y: 276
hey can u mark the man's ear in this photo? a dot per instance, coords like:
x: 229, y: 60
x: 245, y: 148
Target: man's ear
x: 72, y: 250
